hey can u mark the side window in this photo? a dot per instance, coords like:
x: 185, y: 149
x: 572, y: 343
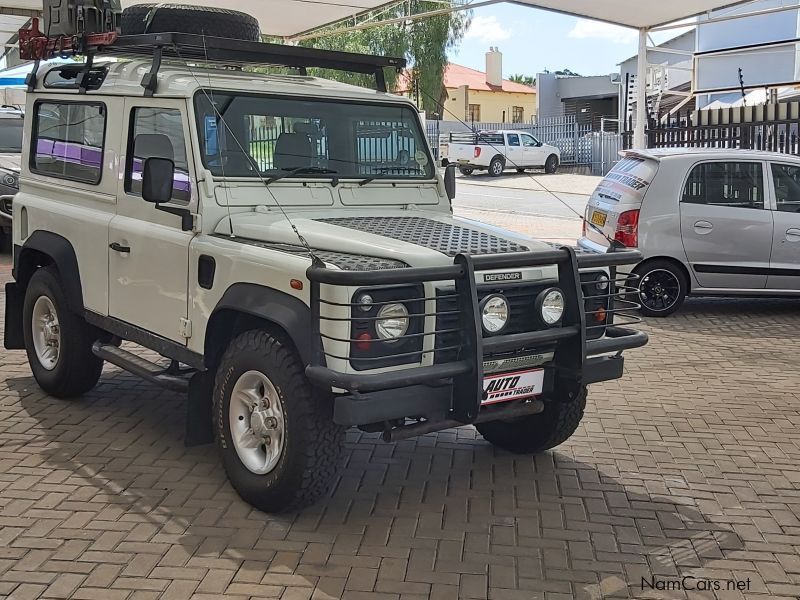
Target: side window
x: 528, y: 140
x: 731, y: 184
x: 68, y: 140
x: 787, y: 187
x: 157, y: 133
x: 513, y: 139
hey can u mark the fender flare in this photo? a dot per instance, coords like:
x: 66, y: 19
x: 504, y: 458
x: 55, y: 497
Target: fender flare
x: 286, y: 311
x: 27, y: 259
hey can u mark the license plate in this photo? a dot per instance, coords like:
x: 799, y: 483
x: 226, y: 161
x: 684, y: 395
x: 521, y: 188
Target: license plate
x: 444, y: 148
x: 463, y: 161
x: 599, y: 218
x: 513, y: 386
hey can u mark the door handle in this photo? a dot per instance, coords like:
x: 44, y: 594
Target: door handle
x: 793, y: 235
x: 703, y: 227
x: 117, y: 247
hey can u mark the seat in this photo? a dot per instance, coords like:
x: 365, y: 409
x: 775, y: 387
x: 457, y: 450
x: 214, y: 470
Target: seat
x: 292, y: 151
x: 153, y: 145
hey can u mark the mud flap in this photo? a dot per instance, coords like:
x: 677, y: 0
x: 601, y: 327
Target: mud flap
x: 199, y: 429
x: 15, y: 297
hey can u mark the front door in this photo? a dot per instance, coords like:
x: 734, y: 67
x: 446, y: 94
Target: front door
x: 726, y: 225
x: 784, y: 273
x: 514, y: 156
x: 532, y: 150
x: 148, y: 252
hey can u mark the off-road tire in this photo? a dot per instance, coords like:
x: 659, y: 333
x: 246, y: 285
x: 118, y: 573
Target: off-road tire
x: 215, y: 22
x: 466, y: 171
x: 643, y: 269
x: 551, y: 165
x: 494, y: 169
x: 77, y: 369
x: 313, y: 444
x: 537, y: 433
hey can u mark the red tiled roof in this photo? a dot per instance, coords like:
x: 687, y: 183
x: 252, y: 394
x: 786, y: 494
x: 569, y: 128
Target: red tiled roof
x: 457, y: 75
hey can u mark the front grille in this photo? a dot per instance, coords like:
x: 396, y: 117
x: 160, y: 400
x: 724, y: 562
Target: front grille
x: 523, y: 317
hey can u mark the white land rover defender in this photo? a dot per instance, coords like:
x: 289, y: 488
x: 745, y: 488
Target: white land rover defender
x: 287, y: 244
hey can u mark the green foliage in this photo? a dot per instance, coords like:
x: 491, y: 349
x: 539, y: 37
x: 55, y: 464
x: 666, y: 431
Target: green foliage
x: 523, y: 79
x: 423, y: 43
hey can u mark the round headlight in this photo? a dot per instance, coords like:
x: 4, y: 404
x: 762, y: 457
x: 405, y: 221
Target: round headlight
x: 10, y: 180
x: 601, y: 282
x: 392, y: 322
x: 551, y: 306
x: 494, y: 313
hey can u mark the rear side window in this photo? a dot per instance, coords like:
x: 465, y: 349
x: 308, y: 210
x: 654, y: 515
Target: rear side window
x: 513, y: 139
x: 68, y: 140
x: 157, y: 133
x: 787, y: 187
x: 731, y: 184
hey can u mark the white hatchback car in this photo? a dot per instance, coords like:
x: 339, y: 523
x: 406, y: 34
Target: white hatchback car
x: 707, y: 221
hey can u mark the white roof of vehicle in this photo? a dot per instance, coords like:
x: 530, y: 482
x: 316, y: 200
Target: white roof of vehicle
x: 175, y: 80
x: 716, y: 153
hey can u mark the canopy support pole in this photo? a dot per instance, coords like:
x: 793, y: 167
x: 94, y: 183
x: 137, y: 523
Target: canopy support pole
x: 640, y: 128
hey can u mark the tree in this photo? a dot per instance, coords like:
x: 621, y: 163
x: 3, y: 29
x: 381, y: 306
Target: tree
x: 568, y: 73
x: 523, y: 79
x: 423, y: 43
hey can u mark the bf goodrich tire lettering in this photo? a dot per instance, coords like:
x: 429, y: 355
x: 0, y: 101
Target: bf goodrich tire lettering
x: 312, y: 444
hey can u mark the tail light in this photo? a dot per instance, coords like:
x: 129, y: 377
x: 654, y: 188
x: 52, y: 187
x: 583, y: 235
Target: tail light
x: 628, y: 229
x: 477, y: 151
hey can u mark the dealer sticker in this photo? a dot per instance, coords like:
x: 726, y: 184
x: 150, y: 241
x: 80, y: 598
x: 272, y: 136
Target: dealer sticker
x: 512, y: 386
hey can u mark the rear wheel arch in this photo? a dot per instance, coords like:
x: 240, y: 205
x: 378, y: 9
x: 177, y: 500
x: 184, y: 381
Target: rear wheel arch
x: 42, y: 249
x: 247, y: 306
x: 681, y: 267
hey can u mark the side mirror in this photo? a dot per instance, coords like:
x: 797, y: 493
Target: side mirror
x: 450, y: 181
x: 157, y: 180
x: 539, y: 144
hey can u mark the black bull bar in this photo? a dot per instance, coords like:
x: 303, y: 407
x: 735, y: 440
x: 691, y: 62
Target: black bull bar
x: 464, y: 376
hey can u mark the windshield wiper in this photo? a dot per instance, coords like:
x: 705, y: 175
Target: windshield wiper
x: 300, y: 170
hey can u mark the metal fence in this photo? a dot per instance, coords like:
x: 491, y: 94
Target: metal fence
x: 773, y: 127
x: 579, y: 145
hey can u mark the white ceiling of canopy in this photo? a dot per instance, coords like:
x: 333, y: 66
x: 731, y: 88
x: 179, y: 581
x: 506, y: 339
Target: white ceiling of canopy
x: 286, y: 18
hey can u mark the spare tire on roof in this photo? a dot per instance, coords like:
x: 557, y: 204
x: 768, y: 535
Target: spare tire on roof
x: 184, y: 18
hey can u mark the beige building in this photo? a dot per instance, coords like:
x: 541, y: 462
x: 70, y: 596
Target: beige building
x: 473, y: 95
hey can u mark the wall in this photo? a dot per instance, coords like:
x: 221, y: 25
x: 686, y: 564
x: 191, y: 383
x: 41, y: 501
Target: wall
x: 553, y: 91
x: 492, y: 104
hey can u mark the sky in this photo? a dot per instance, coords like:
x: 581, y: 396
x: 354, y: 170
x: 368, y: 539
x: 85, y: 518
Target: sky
x: 532, y: 40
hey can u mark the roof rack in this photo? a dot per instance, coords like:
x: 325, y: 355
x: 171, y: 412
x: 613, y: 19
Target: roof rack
x: 189, y: 47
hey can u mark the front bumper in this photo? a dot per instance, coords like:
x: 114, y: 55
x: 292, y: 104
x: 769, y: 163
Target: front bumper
x: 453, y: 391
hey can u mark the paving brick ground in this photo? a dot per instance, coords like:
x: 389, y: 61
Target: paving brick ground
x: 688, y: 467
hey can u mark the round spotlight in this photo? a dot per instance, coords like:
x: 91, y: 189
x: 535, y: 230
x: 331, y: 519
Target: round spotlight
x: 392, y: 322
x: 601, y: 282
x: 551, y: 306
x: 495, y: 313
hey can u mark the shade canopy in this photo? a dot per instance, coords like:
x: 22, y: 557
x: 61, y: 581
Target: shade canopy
x: 287, y: 18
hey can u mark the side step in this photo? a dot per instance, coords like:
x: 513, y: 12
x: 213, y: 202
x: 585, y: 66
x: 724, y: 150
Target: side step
x: 138, y: 366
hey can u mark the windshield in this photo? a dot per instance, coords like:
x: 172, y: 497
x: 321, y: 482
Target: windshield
x: 298, y: 137
x: 11, y: 135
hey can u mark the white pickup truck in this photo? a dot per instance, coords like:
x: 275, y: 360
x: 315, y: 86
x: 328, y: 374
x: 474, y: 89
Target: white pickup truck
x: 496, y: 151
